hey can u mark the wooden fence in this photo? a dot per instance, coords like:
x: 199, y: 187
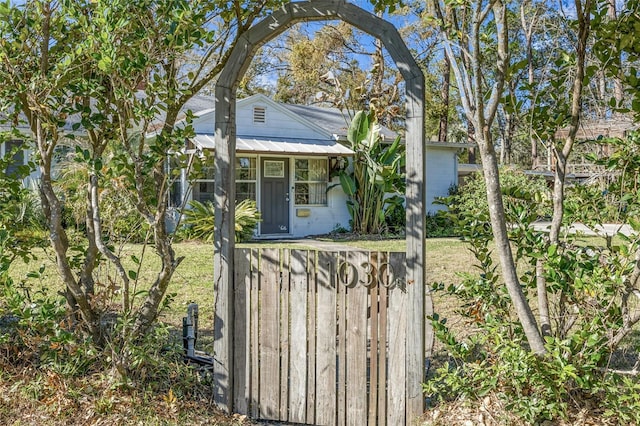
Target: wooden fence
x: 320, y: 337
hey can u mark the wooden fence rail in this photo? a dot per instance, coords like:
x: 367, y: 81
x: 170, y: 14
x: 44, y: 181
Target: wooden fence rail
x: 321, y: 337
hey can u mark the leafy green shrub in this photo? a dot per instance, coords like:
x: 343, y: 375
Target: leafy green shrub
x: 396, y: 219
x: 521, y: 191
x: 40, y: 332
x: 439, y: 225
x: 200, y: 217
x: 588, y: 289
x: 373, y: 175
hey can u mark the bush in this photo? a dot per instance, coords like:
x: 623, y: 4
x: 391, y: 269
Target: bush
x: 439, y: 225
x: 396, y: 219
x: 199, y: 220
x: 519, y: 191
x: 588, y: 290
x: 38, y: 332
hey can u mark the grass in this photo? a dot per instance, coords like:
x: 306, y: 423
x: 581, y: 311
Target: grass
x: 192, y: 282
x: 47, y: 399
x: 193, y: 279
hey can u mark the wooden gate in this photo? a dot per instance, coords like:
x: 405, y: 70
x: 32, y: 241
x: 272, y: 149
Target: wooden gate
x: 320, y: 337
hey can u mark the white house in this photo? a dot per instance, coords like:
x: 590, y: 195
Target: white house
x: 285, y: 156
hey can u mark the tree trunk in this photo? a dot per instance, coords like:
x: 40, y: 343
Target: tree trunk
x: 528, y: 36
x: 562, y: 154
x: 618, y: 92
x: 149, y: 310
x: 543, y: 299
x: 76, y: 297
x: 471, y: 139
x: 443, y: 125
x: 503, y: 246
x: 481, y: 115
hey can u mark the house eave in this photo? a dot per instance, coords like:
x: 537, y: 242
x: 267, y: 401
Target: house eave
x: 452, y: 145
x: 302, y: 147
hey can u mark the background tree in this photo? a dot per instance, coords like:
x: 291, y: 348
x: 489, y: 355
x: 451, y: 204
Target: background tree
x: 334, y: 66
x: 109, y: 73
x: 465, y: 54
x: 443, y: 121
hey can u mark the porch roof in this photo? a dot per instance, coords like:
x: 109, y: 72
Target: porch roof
x: 269, y: 146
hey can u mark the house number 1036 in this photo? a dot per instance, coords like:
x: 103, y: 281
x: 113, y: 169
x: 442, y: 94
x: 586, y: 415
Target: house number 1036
x: 350, y: 276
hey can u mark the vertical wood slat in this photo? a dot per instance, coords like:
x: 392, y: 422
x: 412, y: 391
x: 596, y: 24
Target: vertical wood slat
x: 342, y: 345
x: 311, y: 337
x: 382, y: 326
x: 242, y: 346
x: 285, y: 292
x: 373, y: 339
x: 327, y: 305
x: 269, y: 338
x: 298, y: 358
x: 255, y: 332
x: 326, y: 340
x: 356, y: 356
x: 397, y: 319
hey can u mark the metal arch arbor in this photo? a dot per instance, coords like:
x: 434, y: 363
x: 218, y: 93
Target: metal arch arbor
x: 225, y: 146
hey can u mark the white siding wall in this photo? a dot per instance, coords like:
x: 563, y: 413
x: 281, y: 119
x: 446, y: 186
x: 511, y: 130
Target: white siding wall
x: 278, y: 124
x: 205, y: 124
x: 442, y: 172
x: 322, y: 219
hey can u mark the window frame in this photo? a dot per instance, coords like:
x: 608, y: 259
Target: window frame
x: 253, y: 181
x: 296, y: 181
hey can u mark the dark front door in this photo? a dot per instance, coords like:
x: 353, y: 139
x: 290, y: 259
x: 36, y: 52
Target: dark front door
x: 274, y: 204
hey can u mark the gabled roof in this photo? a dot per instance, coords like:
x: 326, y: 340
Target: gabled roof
x: 332, y: 122
x: 322, y: 140
x: 333, y: 119
x: 312, y: 124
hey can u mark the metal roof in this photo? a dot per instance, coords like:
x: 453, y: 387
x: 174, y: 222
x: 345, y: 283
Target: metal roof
x: 289, y: 146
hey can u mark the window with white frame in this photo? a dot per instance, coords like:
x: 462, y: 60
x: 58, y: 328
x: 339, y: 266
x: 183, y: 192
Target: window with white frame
x: 311, y: 180
x: 175, y: 185
x: 203, y: 187
x: 245, y: 178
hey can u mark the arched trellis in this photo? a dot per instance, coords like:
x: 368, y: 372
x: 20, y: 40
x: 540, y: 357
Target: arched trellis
x: 225, y: 147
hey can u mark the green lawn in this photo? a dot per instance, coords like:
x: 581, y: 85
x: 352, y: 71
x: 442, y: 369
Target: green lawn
x: 193, y: 280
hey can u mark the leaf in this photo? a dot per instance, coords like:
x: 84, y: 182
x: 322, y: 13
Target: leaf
x: 133, y: 275
x: 358, y: 129
x: 348, y: 184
